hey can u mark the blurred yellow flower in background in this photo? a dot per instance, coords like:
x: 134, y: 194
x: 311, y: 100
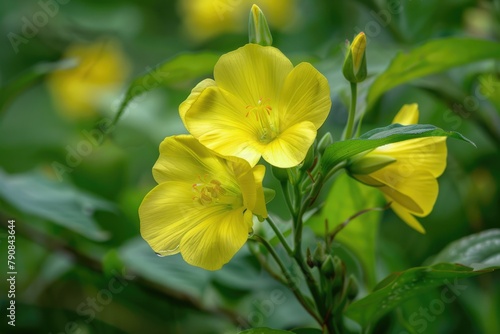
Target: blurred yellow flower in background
x: 100, y: 70
x: 258, y: 104
x: 203, y: 204
x: 405, y: 171
x: 204, y: 19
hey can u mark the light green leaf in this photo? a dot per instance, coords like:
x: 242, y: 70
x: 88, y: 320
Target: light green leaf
x: 263, y: 330
x: 481, y: 250
x: 343, y: 150
x: 179, y: 69
x: 401, y: 286
x: 346, y: 198
x: 34, y: 195
x: 433, y: 57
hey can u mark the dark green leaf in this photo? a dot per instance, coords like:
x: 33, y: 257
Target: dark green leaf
x: 433, y: 57
x: 307, y: 331
x: 401, y: 286
x: 171, y: 271
x: 342, y: 150
x: 481, y: 250
x: 263, y: 330
x: 57, y: 202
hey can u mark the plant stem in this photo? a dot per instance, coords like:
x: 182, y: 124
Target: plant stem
x: 288, y: 200
x: 352, y: 111
x: 289, y: 279
x: 280, y: 235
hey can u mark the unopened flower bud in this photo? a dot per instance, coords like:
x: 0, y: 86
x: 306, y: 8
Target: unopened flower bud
x: 258, y: 29
x: 324, y: 142
x: 309, y: 159
x: 354, y: 68
x: 352, y: 287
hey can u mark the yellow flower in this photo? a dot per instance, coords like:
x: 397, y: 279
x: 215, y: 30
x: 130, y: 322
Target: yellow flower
x: 204, y: 19
x: 258, y: 105
x: 101, y: 69
x: 203, y: 204
x: 407, y: 171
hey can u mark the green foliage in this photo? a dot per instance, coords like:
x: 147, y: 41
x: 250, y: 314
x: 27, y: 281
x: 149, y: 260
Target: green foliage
x: 343, y: 150
x: 175, y: 71
x: 473, y: 255
x: 36, y: 196
x: 478, y: 251
x: 78, y: 235
x: 263, y: 330
x: 352, y: 197
x: 432, y: 57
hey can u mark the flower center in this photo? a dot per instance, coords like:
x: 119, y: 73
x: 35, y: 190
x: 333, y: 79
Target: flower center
x: 262, y: 114
x: 207, y: 190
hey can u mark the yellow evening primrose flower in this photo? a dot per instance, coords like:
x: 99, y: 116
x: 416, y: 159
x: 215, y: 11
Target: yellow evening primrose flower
x: 258, y: 105
x: 405, y: 171
x: 101, y: 70
x: 203, y: 204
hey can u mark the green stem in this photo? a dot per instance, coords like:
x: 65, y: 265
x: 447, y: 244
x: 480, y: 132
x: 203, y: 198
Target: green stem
x: 299, y: 257
x: 289, y: 279
x: 352, y: 111
x: 288, y: 200
x: 297, y: 221
x: 280, y: 235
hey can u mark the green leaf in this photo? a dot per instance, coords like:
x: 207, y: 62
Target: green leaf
x: 343, y: 150
x: 29, y: 77
x: 181, y: 68
x: 307, y: 331
x: 433, y: 57
x: 170, y: 271
x: 57, y: 202
x: 478, y: 251
x: 263, y: 330
x: 401, y: 286
x: 346, y: 198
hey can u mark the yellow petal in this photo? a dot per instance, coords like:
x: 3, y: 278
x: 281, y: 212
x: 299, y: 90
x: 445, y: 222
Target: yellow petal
x: 407, y: 115
x: 290, y: 147
x: 421, y: 153
x: 407, y: 217
x: 217, y: 119
x: 183, y: 158
x: 305, y: 97
x: 253, y: 72
x: 195, y: 93
x: 416, y: 190
x: 213, y: 242
x: 166, y: 214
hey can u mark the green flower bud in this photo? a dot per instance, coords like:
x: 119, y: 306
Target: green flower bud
x: 352, y: 287
x: 354, y: 68
x: 319, y: 255
x: 328, y: 267
x: 324, y: 142
x: 309, y: 159
x: 258, y: 30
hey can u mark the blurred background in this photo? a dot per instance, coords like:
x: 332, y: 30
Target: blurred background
x: 73, y: 181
